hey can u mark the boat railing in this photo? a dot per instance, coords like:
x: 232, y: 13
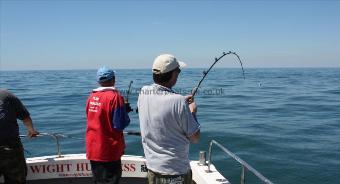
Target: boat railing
x: 57, y: 136
x: 245, y: 165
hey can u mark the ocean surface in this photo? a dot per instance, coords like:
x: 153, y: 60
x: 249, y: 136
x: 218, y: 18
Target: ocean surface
x: 283, y: 122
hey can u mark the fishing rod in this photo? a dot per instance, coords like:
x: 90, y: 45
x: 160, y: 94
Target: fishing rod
x: 128, y: 92
x: 205, y: 73
x: 127, y: 104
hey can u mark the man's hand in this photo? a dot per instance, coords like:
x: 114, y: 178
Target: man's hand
x: 189, y: 99
x: 193, y: 107
x: 32, y: 133
x: 127, y: 107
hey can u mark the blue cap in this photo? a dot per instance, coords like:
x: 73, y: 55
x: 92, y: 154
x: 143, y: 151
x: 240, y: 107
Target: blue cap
x: 105, y: 74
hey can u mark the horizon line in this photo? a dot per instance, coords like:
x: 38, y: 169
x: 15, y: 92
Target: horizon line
x: 282, y: 67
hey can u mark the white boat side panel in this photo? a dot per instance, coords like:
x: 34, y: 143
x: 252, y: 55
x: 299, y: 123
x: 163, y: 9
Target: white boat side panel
x: 201, y: 176
x: 76, y: 165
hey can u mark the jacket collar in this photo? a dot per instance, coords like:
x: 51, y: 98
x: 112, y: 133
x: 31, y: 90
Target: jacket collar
x: 104, y: 89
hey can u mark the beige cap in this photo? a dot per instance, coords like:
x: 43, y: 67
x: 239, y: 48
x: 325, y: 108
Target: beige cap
x: 165, y: 63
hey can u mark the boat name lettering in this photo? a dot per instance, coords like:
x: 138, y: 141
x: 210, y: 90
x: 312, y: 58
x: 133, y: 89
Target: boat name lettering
x: 129, y: 167
x: 78, y: 167
x: 50, y: 168
x: 83, y: 167
x: 143, y: 168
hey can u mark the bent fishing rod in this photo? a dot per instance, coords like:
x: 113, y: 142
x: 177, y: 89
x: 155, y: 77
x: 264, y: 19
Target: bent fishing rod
x: 205, y: 73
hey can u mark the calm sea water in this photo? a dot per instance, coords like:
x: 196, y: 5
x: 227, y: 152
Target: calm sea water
x: 283, y: 122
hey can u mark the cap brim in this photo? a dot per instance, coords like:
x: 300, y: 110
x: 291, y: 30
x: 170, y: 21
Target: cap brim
x: 182, y: 64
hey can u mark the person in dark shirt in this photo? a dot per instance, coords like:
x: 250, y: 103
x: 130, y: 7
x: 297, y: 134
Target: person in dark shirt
x: 12, y: 160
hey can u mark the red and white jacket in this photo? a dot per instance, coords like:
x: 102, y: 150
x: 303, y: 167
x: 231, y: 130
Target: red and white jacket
x: 106, y: 120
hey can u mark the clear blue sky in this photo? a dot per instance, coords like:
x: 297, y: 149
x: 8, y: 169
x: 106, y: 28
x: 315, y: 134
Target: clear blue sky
x: 85, y: 34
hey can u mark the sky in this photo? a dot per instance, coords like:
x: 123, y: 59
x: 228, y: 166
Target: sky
x: 86, y: 34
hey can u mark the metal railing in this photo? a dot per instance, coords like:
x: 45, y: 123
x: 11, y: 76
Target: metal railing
x: 57, y: 136
x: 245, y: 165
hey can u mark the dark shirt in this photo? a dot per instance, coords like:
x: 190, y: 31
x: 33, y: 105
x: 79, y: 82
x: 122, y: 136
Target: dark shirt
x: 11, y: 109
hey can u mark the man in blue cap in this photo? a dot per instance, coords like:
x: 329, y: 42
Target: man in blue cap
x: 106, y: 119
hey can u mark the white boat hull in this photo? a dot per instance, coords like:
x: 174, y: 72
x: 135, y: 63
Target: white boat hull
x: 75, y: 168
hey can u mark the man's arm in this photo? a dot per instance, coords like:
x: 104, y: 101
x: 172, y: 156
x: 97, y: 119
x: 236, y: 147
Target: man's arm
x: 23, y: 114
x: 120, y: 117
x: 31, y: 132
x: 194, y: 138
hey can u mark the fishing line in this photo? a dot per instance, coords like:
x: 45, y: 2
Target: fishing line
x: 205, y: 73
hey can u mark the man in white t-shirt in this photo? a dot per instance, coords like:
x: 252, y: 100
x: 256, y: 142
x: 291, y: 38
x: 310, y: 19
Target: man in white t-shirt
x: 168, y: 125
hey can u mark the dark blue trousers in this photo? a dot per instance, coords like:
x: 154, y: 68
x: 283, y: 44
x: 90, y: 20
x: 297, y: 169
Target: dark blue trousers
x: 106, y: 172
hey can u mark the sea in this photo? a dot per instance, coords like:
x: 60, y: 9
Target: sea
x: 284, y: 122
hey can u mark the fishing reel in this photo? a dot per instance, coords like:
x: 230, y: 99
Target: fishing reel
x: 128, y: 107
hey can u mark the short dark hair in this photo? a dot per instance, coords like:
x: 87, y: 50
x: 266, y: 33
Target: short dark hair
x: 107, y: 82
x: 163, y: 77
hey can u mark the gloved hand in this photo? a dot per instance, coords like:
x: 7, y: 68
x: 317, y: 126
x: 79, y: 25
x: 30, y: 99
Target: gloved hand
x: 127, y: 107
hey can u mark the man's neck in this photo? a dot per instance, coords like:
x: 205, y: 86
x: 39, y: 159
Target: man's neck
x: 167, y: 85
